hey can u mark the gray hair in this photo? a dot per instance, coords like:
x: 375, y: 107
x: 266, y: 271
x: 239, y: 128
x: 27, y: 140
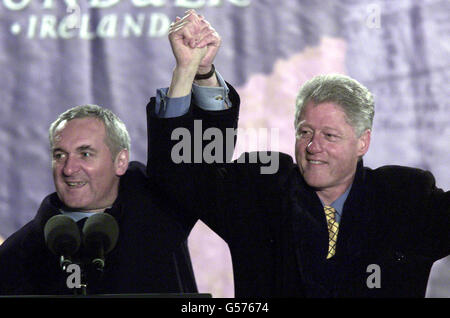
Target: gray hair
x: 354, y: 98
x: 117, y: 137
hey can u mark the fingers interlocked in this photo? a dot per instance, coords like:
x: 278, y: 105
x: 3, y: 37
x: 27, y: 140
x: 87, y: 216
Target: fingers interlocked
x: 194, y: 30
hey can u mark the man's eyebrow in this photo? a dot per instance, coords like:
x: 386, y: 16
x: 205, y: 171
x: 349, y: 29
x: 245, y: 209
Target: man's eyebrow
x: 57, y: 149
x: 331, y: 128
x: 79, y: 149
x: 86, y: 147
x: 304, y: 124
x: 301, y: 123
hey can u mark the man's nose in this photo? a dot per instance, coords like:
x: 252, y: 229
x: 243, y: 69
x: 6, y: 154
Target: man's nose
x: 314, y: 145
x: 71, y: 166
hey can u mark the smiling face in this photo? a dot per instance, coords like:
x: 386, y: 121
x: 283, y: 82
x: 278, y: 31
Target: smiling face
x: 85, y: 175
x: 327, y: 149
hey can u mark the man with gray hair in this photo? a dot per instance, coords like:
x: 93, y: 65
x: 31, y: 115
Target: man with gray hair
x: 90, y: 149
x: 365, y: 233
x: 92, y: 174
x: 325, y: 226
x: 333, y: 121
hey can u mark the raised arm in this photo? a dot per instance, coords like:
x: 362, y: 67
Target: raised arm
x: 178, y: 172
x: 194, y: 45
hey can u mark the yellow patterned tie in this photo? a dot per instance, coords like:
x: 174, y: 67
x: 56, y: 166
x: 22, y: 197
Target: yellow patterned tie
x: 333, y: 227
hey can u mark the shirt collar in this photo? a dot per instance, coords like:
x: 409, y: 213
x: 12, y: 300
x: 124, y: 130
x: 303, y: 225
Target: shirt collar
x: 338, y: 204
x: 77, y: 216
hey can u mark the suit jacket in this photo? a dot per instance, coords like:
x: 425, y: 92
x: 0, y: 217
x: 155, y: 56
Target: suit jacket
x: 395, y: 224
x: 151, y: 254
x: 394, y: 218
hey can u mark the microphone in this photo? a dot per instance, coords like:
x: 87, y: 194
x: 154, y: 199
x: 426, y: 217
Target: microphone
x: 62, y: 238
x: 100, y: 233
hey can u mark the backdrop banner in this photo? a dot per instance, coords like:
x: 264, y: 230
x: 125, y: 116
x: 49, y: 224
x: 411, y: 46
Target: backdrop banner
x: 115, y: 53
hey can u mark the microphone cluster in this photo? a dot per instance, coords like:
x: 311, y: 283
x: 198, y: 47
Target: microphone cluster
x: 97, y: 238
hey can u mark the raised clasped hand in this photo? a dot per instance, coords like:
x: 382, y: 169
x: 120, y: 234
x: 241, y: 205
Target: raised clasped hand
x: 194, y: 42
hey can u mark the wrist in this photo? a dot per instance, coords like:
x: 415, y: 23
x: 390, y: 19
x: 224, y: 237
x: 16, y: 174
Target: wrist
x: 188, y: 71
x: 205, y: 72
x: 206, y: 76
x: 182, y: 79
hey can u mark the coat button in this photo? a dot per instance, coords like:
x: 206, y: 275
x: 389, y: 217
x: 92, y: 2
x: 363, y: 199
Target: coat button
x: 400, y: 257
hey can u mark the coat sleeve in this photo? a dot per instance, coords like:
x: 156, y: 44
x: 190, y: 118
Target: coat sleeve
x: 437, y: 211
x: 177, y: 148
x: 420, y: 210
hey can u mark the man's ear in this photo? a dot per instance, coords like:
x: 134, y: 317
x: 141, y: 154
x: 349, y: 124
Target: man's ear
x: 364, y: 142
x: 121, y: 162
